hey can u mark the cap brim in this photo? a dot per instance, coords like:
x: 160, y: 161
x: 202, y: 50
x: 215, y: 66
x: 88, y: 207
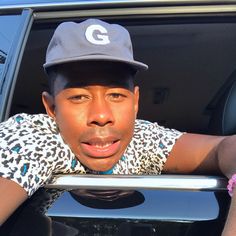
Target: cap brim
x: 135, y: 64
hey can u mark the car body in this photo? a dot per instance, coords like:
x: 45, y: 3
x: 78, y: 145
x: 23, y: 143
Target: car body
x: 190, y: 49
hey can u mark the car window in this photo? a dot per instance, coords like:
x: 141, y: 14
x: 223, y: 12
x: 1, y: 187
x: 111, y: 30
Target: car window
x: 8, y: 26
x: 188, y: 62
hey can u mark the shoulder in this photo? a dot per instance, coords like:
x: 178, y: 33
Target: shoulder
x: 149, y: 147
x: 153, y: 139
x: 42, y: 121
x: 144, y: 128
x: 25, y: 127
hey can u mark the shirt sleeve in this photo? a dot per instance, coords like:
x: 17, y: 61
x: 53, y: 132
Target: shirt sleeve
x: 22, y: 158
x: 155, y: 143
x: 25, y: 170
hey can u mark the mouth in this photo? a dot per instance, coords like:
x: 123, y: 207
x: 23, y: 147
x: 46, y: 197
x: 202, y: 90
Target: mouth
x: 101, y: 147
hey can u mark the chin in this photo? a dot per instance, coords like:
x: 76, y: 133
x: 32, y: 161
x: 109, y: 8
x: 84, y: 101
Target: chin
x: 101, y: 165
x: 99, y: 168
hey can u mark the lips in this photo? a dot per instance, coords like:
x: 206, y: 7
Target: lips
x: 101, y: 147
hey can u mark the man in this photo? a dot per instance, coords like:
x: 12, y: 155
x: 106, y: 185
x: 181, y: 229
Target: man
x: 91, y: 124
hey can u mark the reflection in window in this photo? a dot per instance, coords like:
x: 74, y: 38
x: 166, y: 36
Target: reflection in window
x: 8, y: 29
x: 2, y: 57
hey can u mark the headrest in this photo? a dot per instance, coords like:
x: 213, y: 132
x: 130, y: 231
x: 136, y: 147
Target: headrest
x: 223, y: 119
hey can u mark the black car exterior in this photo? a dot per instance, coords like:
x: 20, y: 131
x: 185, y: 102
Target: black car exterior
x: 189, y: 46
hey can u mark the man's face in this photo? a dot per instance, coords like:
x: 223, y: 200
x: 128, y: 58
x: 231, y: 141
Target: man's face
x: 94, y: 106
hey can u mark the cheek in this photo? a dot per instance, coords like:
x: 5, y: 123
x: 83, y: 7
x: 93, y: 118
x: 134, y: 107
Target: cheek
x: 125, y: 117
x: 125, y: 112
x: 70, y: 121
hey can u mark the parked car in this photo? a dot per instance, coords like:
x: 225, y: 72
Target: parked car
x: 190, y: 86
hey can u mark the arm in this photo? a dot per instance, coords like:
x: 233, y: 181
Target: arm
x: 12, y: 196
x: 28, y: 163
x: 194, y: 154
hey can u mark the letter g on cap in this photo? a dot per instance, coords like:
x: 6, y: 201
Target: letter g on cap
x: 97, y: 34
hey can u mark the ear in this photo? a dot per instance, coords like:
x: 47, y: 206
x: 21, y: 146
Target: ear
x: 136, y: 100
x: 48, y: 102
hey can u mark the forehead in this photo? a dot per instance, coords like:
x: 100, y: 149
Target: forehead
x: 94, y: 73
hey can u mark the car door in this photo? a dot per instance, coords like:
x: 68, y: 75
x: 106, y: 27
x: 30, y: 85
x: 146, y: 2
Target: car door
x: 187, y: 46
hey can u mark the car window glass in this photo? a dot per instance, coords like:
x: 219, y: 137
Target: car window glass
x: 8, y: 28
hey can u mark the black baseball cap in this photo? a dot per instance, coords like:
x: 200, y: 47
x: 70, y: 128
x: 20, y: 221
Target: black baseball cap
x: 91, y: 40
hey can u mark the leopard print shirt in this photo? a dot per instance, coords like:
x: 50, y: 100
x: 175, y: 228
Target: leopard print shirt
x: 32, y: 150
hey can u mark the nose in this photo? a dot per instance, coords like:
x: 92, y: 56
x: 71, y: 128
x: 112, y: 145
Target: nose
x: 100, y: 113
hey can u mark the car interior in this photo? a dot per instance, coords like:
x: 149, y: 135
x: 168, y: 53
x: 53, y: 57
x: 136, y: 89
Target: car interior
x: 191, y: 71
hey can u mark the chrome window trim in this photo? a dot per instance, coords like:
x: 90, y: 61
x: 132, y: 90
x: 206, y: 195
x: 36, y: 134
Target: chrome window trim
x: 132, y: 182
x: 177, y: 10
x: 114, y: 3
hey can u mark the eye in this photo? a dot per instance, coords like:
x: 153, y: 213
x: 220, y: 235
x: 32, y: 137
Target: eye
x: 116, y: 97
x: 79, y: 98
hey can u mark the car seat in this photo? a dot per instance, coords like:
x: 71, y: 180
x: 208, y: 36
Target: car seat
x: 223, y: 115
